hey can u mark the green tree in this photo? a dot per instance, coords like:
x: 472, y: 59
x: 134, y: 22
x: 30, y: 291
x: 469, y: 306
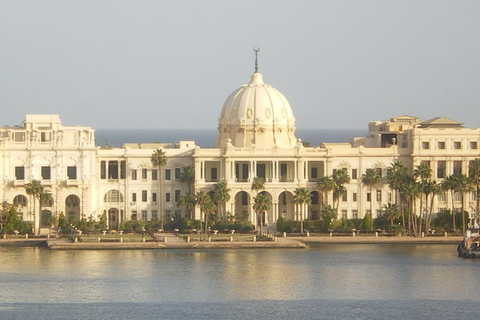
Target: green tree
x: 208, y: 207
x: 34, y: 189
x: 324, y: 186
x: 221, y: 195
x: 396, y: 176
x: 202, y: 199
x: 411, y: 191
x: 301, y: 198
x: 328, y: 213
x: 261, y: 204
x: 188, y: 176
x: 465, y: 185
x: 423, y: 173
x: 187, y: 200
x: 391, y: 212
x: 340, y: 178
x: 159, y: 160
x: 371, y: 178
x: 44, y: 199
x: 450, y: 183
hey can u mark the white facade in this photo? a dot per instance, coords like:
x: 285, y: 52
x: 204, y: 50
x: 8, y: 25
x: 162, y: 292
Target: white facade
x: 256, y: 138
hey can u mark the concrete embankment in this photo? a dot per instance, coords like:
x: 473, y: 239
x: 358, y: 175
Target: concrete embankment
x: 379, y: 240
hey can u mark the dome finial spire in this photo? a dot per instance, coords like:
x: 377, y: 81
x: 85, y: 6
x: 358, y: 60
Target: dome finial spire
x: 256, y: 49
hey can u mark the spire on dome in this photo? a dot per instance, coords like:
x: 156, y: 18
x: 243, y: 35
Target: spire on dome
x: 256, y: 49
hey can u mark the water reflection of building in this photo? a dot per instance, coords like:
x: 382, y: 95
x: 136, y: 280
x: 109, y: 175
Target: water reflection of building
x: 256, y: 138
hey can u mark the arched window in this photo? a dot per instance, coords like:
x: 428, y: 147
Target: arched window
x: 113, y: 196
x: 20, y: 201
x: 72, y: 201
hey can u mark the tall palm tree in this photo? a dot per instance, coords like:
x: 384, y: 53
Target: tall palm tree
x: 391, y: 212
x: 201, y: 200
x: 411, y: 191
x: 159, y: 160
x: 258, y: 184
x: 450, y: 183
x: 324, y: 186
x: 221, y: 195
x: 208, y: 207
x: 261, y: 204
x: 340, y: 177
x: 433, y: 189
x: 396, y: 175
x: 370, y: 179
x: 302, y: 197
x: 188, y: 176
x: 464, y: 186
x: 44, y: 198
x: 34, y: 189
x: 187, y: 200
x: 474, y: 173
x: 423, y: 172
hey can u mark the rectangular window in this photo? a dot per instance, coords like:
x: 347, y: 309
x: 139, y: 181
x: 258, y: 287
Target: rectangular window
x: 441, y: 145
x: 177, y: 173
x: 103, y: 170
x: 167, y: 197
x: 72, y: 172
x: 457, y: 145
x: 441, y: 196
x: 144, y: 174
x: 368, y: 196
x: 154, y: 174
x: 20, y: 173
x: 134, y: 174
x: 112, y: 169
x: 379, y: 171
x: 344, y: 214
x: 177, y: 195
x: 167, y: 174
x: 344, y: 196
x: 457, y: 196
x: 154, y: 215
x: 457, y: 168
x: 134, y: 197
x: 379, y: 195
x: 46, y: 173
x: 154, y: 197
x: 354, y: 174
x: 354, y: 197
x: 144, y: 195
x: 144, y: 215
x: 441, y: 169
x: 473, y: 145
x: 404, y: 145
x: 213, y: 172
x: 314, y: 173
x: 134, y: 215
x: 355, y: 214
x: 123, y: 170
x: 425, y: 145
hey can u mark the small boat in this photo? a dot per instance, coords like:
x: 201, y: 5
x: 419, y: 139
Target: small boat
x: 470, y: 245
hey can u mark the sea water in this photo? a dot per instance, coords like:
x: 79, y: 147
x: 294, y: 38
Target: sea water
x: 341, y: 281
x: 206, y: 138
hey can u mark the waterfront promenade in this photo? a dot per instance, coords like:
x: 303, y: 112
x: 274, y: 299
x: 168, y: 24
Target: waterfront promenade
x: 171, y: 241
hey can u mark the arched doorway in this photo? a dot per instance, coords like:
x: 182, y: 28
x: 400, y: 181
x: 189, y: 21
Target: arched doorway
x: 72, y: 208
x: 113, y: 219
x: 46, y: 214
x: 242, y: 207
x: 267, y: 217
x: 20, y: 202
x: 285, y: 205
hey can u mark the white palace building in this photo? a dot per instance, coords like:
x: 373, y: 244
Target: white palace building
x: 256, y: 138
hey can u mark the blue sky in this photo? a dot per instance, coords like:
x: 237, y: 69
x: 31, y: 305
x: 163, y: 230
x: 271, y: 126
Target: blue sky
x: 172, y: 64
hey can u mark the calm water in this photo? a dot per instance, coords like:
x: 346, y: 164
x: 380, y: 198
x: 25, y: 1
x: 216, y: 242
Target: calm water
x: 207, y: 138
x: 322, y: 282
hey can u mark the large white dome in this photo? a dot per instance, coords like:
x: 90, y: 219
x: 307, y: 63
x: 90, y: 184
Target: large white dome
x: 257, y: 114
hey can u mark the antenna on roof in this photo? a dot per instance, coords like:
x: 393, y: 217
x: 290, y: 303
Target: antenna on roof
x: 256, y: 49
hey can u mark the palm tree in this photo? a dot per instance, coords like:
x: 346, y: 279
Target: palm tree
x: 159, y: 160
x: 44, y: 198
x: 34, y: 189
x: 261, y: 204
x: 208, y: 207
x: 340, y: 177
x: 396, y: 175
x: 188, y: 176
x: 221, y: 195
x: 302, y: 197
x: 411, y: 191
x: 188, y: 201
x: 324, y: 186
x: 474, y: 173
x: 450, y: 183
x: 201, y: 200
x: 464, y: 186
x: 433, y: 189
x: 258, y: 184
x: 424, y: 173
x: 370, y: 179
x: 391, y: 212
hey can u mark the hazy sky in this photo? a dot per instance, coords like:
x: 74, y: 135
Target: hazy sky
x: 172, y: 64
